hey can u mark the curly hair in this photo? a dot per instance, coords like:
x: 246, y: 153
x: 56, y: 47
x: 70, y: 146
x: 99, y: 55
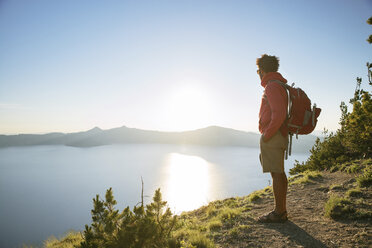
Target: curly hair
x: 268, y: 63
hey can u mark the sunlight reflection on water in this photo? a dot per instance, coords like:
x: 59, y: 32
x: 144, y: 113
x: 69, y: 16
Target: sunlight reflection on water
x: 188, y: 182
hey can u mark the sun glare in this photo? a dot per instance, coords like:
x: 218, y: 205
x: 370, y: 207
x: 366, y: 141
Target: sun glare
x: 188, y: 182
x: 189, y: 108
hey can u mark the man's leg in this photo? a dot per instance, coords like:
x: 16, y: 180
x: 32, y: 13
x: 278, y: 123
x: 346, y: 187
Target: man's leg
x: 280, y: 186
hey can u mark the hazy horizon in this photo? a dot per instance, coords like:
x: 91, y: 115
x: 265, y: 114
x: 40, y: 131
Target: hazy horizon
x: 85, y: 130
x: 315, y: 132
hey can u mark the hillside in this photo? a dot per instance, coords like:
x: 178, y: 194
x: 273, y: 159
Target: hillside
x: 307, y: 225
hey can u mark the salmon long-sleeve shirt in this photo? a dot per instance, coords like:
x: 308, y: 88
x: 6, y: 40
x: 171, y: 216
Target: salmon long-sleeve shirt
x: 273, y: 110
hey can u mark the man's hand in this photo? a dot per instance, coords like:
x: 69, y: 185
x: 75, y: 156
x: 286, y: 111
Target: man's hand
x: 264, y: 138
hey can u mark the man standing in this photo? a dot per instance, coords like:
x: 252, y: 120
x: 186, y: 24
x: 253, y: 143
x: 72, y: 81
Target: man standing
x: 274, y: 138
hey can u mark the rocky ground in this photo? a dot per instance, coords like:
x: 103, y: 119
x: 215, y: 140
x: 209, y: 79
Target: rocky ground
x: 307, y: 225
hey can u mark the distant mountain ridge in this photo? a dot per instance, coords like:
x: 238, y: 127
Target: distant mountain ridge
x: 209, y: 136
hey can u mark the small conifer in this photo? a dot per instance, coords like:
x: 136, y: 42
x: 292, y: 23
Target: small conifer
x: 149, y: 226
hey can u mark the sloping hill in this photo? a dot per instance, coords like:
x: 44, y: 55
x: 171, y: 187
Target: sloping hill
x: 209, y: 136
x: 232, y: 222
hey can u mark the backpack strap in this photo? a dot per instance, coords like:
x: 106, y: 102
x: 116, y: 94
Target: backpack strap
x: 288, y: 150
x: 285, y: 86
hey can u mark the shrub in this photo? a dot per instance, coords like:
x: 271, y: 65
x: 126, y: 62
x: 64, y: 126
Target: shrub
x: 354, y: 168
x: 185, y: 244
x: 229, y: 213
x: 200, y: 241
x: 234, y: 232
x: 254, y: 196
x: 231, y: 202
x: 146, y: 226
x: 214, y: 225
x: 354, y: 193
x: 336, y: 187
x: 337, y: 208
x: 305, y: 177
x: 70, y: 240
x: 244, y: 228
x: 211, y: 210
x: 365, y: 179
x: 323, y: 155
x: 313, y: 174
x: 353, y: 140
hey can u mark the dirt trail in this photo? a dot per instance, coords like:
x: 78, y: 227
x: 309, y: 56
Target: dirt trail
x: 307, y: 226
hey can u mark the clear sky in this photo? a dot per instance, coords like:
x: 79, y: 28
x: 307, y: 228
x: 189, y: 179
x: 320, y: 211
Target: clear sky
x: 171, y: 65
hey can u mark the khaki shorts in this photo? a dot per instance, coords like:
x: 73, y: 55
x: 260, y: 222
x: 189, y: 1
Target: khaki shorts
x: 272, y: 153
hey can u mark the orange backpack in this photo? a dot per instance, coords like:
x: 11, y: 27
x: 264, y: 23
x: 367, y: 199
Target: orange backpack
x: 301, y: 116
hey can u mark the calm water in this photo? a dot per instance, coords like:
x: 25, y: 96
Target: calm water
x: 47, y: 190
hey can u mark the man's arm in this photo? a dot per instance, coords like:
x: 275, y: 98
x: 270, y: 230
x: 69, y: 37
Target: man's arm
x: 278, y: 106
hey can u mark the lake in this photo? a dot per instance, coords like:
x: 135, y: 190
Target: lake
x: 48, y: 190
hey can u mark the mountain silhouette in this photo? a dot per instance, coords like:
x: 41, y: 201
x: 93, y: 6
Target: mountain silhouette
x: 209, y: 136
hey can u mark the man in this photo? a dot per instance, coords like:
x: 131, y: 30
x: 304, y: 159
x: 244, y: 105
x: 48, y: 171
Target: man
x: 274, y: 138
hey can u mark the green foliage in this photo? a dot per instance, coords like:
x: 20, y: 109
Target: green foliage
x: 234, y: 232
x: 336, y: 187
x: 70, y: 240
x: 211, y: 210
x: 149, y: 226
x: 185, y: 244
x: 305, y: 177
x: 353, y: 140
x: 338, y: 208
x: 354, y: 193
x: 369, y: 21
x: 323, y: 154
x: 237, y: 231
x: 231, y: 202
x: 200, y: 241
x: 244, y: 228
x: 226, y: 213
x: 254, y: 196
x: 342, y: 208
x: 356, y: 127
x: 365, y: 179
x: 352, y: 167
x: 214, y: 225
x: 193, y: 239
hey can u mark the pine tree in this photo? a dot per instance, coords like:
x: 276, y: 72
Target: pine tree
x: 145, y: 227
x: 353, y: 139
x: 369, y: 21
